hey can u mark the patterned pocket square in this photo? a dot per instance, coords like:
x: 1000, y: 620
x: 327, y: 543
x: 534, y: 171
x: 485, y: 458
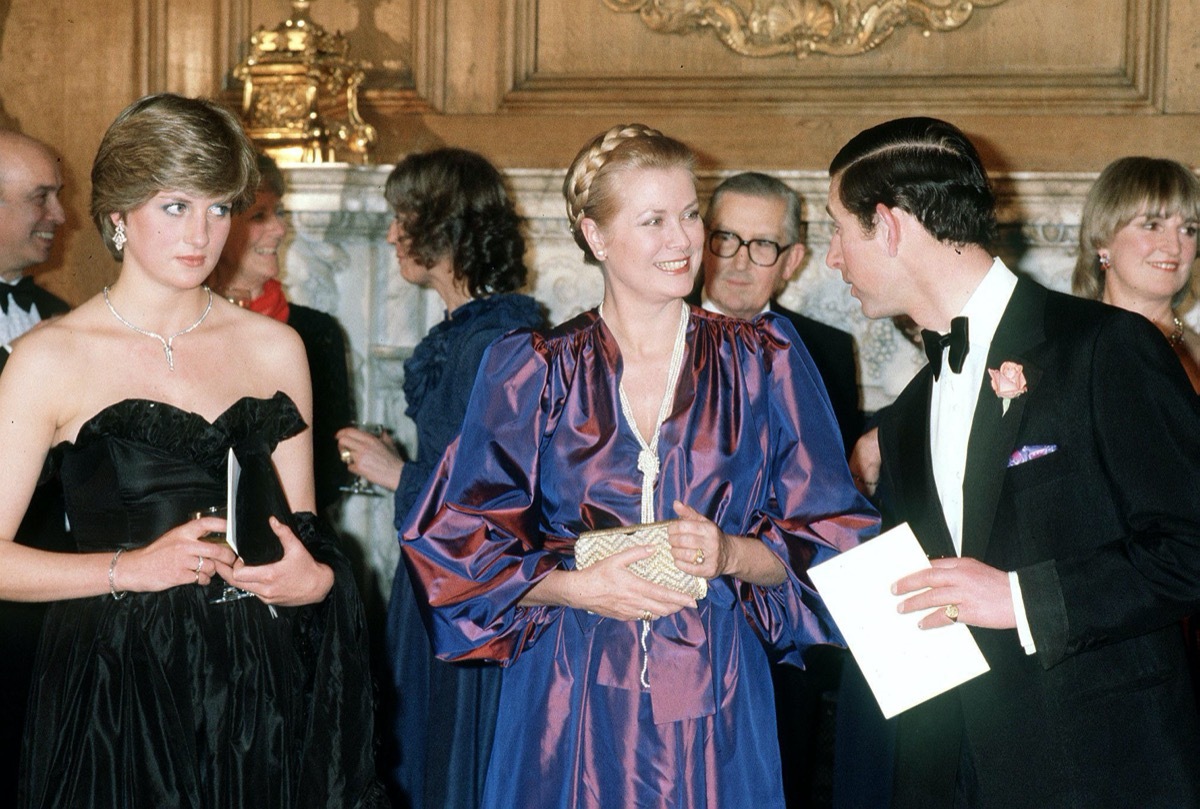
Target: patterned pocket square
x: 1030, y: 452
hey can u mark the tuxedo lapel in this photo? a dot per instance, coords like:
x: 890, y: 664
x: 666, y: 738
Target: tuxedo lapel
x: 994, y: 431
x: 915, y: 486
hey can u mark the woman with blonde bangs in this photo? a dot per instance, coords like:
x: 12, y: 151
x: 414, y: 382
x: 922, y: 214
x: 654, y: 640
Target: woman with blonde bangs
x: 150, y: 688
x: 1137, y: 246
x: 619, y: 691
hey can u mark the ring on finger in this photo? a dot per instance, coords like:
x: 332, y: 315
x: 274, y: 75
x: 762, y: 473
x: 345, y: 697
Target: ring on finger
x: 199, y: 565
x: 647, y: 615
x: 698, y: 559
x: 951, y: 611
x: 347, y: 456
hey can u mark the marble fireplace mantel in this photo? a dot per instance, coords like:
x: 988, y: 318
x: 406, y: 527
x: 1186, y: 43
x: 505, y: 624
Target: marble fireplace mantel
x: 337, y: 260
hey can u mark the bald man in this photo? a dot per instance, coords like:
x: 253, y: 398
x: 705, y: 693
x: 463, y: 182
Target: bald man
x: 30, y: 215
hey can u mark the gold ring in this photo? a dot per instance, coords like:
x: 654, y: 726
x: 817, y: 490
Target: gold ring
x: 647, y: 615
x: 699, y: 558
x: 346, y: 456
x: 199, y: 566
x: 951, y: 612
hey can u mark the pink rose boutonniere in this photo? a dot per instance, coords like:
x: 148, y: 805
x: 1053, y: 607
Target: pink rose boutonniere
x: 1008, y: 382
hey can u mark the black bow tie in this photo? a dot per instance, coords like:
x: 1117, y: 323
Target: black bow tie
x: 956, y: 340
x: 22, y: 294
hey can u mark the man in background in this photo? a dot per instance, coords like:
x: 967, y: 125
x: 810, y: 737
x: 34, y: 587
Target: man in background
x: 30, y: 215
x: 754, y: 247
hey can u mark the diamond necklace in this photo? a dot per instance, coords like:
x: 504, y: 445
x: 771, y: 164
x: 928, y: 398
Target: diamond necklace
x: 166, y: 341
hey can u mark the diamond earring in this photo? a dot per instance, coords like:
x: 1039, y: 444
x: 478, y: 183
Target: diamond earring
x: 118, y: 237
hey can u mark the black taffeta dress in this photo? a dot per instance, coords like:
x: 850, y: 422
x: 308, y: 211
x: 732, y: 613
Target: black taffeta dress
x: 165, y: 700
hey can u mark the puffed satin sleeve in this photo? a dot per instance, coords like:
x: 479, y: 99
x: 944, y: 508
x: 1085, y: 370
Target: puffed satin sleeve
x: 813, y: 510
x: 472, y: 541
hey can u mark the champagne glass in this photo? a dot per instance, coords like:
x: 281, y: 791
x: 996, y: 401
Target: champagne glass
x: 361, y: 485
x: 229, y: 593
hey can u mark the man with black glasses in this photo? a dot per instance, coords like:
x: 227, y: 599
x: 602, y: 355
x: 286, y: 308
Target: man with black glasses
x: 755, y: 245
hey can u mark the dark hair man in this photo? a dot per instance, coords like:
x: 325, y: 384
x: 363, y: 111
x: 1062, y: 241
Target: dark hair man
x: 754, y: 247
x: 1048, y: 460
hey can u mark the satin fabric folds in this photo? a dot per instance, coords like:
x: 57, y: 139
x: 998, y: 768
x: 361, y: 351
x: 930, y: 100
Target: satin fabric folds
x: 165, y: 700
x: 545, y: 454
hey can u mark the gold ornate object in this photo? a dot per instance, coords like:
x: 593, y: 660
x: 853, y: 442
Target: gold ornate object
x: 300, y: 93
x: 595, y: 546
x: 802, y: 27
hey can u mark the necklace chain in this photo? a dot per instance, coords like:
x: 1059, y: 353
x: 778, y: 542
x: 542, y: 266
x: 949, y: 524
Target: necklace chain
x: 167, y: 342
x: 1176, y: 335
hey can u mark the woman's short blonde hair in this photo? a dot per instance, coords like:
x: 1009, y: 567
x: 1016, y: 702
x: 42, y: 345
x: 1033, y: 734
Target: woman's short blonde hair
x: 590, y: 188
x: 167, y: 141
x: 1127, y: 187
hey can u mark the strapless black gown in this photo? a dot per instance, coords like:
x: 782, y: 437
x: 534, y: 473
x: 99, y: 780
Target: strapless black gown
x: 164, y: 700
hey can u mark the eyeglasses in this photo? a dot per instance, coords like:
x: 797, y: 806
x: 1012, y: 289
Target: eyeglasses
x: 762, y: 252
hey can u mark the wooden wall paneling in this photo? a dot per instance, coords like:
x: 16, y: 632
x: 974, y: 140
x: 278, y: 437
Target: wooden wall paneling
x: 1024, y: 56
x: 185, y: 45
x: 475, y: 48
x: 1183, y: 62
x: 66, y: 68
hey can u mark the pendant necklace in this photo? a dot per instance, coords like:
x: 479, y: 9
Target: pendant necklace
x: 167, y: 342
x: 648, y: 457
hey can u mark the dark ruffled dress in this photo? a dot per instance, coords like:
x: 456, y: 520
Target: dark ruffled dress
x: 162, y: 699
x: 441, y: 716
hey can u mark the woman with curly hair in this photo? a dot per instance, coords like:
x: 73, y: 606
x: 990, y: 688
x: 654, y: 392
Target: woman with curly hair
x: 456, y: 231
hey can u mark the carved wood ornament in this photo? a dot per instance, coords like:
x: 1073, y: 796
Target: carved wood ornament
x: 778, y: 27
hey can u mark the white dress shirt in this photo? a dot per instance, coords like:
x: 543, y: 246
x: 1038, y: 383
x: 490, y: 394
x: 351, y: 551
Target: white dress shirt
x: 952, y: 409
x: 16, y: 321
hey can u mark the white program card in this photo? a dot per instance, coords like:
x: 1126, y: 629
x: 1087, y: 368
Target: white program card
x: 904, y: 664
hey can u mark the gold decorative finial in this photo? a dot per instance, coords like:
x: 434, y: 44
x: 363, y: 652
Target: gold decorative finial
x: 300, y: 93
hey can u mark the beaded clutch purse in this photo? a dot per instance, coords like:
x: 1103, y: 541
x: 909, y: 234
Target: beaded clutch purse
x: 593, y: 546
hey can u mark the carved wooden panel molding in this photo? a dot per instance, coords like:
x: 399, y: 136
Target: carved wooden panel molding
x: 788, y: 27
x: 1024, y: 56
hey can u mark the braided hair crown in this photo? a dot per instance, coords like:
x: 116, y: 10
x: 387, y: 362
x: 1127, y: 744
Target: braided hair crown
x: 585, y: 189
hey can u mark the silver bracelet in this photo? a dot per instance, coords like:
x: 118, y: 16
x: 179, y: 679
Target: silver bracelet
x: 112, y: 569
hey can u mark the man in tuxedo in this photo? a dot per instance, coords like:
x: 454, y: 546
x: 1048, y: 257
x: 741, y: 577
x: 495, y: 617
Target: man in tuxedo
x: 755, y: 246
x: 30, y: 214
x: 1048, y: 460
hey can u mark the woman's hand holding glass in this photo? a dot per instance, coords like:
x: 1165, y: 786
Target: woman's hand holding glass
x: 178, y: 557
x: 372, y: 455
x: 293, y: 581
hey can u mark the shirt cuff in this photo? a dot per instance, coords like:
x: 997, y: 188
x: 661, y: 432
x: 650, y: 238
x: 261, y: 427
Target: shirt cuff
x: 1023, y: 631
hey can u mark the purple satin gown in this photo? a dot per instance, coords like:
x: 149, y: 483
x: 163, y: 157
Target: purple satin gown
x: 544, y: 454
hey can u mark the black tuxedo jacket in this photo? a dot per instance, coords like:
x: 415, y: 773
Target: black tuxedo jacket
x: 1104, y: 533
x: 48, y: 305
x: 333, y: 397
